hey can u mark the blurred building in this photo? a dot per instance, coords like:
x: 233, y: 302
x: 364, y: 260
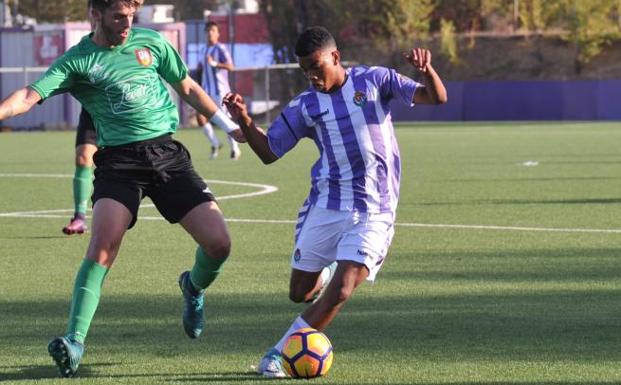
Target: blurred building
x: 157, y: 13
x: 27, y: 51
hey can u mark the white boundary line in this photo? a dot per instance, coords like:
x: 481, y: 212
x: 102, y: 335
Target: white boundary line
x: 268, y: 189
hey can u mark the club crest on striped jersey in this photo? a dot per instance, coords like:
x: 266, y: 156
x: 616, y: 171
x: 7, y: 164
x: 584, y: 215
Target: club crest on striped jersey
x: 144, y: 56
x: 360, y: 98
x: 297, y: 255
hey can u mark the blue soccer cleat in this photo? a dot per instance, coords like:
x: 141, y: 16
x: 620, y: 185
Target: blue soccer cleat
x: 193, y: 317
x: 66, y: 354
x: 271, y: 365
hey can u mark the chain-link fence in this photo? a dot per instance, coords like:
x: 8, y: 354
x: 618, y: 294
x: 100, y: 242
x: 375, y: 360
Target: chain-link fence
x: 266, y: 90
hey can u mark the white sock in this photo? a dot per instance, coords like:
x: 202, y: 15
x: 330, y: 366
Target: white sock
x: 208, y: 130
x: 233, y: 143
x: 299, y: 323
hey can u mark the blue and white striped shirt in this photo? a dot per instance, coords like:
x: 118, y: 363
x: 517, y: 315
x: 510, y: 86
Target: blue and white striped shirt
x: 359, y: 165
x: 215, y: 81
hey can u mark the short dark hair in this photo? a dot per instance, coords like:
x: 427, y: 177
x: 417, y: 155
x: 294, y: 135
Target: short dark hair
x: 210, y: 24
x: 313, y: 39
x: 105, y: 4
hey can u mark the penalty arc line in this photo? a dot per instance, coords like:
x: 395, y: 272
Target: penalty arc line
x: 268, y: 189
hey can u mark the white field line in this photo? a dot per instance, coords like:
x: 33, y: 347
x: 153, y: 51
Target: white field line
x: 47, y: 214
x: 262, y: 190
x: 268, y: 189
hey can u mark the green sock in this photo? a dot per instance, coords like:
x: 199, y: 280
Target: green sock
x: 82, y: 187
x: 205, y: 269
x: 86, y: 292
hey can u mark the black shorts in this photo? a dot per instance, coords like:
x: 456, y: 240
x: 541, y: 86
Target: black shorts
x: 85, y: 133
x: 159, y: 168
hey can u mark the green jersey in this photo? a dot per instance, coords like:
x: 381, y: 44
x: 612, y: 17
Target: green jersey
x: 121, y: 87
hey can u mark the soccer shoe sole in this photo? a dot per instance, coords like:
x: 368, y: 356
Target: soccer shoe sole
x: 68, y: 231
x: 60, y: 354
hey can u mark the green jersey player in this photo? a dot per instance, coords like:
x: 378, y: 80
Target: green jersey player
x: 116, y: 73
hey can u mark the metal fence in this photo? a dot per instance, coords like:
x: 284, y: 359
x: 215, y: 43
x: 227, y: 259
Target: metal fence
x: 266, y: 89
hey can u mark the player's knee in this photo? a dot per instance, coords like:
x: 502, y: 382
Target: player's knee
x: 338, y: 295
x: 103, y: 250
x: 297, y: 295
x: 83, y: 160
x: 219, y: 248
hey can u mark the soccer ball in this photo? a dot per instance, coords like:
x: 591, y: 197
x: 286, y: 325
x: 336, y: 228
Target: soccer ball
x: 307, y: 353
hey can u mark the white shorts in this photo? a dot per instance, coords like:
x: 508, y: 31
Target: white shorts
x: 324, y: 236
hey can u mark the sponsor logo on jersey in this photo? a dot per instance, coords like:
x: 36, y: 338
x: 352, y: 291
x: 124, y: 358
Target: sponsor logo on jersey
x: 297, y: 255
x: 144, y: 56
x: 360, y: 98
x: 133, y: 94
x: 320, y: 114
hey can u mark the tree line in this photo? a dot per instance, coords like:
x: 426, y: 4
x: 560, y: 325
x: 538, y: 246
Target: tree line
x: 386, y: 25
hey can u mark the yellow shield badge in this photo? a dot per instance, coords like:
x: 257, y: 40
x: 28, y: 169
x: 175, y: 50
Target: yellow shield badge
x: 144, y: 56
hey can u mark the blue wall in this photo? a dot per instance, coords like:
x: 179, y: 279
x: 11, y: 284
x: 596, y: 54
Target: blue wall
x: 522, y: 100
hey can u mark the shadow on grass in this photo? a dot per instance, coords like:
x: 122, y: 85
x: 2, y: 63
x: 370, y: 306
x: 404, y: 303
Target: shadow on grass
x: 477, y: 322
x: 526, y: 179
x: 596, y: 201
x: 37, y: 237
x: 39, y: 372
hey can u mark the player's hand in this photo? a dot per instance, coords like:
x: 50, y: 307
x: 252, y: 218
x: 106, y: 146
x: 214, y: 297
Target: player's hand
x: 420, y: 58
x: 237, y: 106
x: 238, y: 135
x: 211, y: 61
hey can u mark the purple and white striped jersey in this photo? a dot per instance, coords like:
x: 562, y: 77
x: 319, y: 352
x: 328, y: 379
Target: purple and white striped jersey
x: 215, y: 81
x: 359, y: 165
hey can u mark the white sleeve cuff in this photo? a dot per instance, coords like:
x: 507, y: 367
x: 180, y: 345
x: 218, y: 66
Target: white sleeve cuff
x: 221, y: 119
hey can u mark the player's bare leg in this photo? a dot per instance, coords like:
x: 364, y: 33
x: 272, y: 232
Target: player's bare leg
x: 304, y: 286
x: 346, y: 279
x: 110, y: 221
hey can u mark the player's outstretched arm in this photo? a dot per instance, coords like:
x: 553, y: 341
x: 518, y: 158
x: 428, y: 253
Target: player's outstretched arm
x: 256, y: 137
x: 194, y: 95
x: 434, y: 91
x: 18, y: 102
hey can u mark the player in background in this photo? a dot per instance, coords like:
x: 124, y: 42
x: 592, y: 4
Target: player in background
x: 85, y: 147
x: 349, y: 214
x: 117, y: 74
x: 213, y: 71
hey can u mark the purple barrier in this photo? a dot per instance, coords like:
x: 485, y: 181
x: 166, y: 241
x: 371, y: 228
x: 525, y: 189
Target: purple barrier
x: 526, y: 100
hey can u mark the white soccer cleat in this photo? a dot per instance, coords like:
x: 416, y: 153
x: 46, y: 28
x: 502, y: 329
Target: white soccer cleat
x: 271, y: 365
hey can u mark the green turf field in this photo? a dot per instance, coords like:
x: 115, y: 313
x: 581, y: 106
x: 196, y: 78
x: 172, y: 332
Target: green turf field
x: 505, y: 268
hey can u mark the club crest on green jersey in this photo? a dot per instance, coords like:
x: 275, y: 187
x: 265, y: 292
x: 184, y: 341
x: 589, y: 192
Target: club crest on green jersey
x: 144, y: 56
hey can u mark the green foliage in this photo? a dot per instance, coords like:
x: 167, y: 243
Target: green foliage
x: 381, y: 24
x: 589, y: 25
x: 448, y: 43
x: 56, y: 11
